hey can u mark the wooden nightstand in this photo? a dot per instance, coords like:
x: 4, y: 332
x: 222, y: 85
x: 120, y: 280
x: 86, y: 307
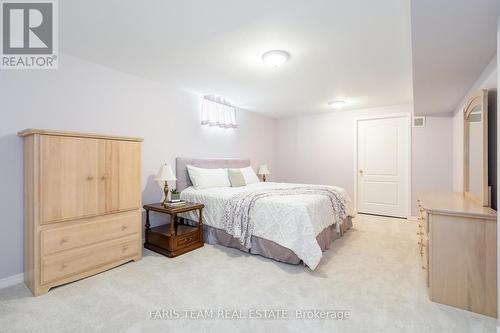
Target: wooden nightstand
x: 173, y: 239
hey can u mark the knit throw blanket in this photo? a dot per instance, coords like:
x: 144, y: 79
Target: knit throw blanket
x: 237, y: 210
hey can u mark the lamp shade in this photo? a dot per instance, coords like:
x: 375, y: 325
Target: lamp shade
x: 264, y: 170
x: 165, y: 173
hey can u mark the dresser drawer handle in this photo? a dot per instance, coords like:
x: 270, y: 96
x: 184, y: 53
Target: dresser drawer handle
x: 64, y: 240
x: 124, y: 249
x: 124, y: 227
x: 63, y: 266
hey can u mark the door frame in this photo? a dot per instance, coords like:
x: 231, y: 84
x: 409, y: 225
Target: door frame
x: 406, y: 115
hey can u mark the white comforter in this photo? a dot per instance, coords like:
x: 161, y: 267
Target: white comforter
x: 291, y: 221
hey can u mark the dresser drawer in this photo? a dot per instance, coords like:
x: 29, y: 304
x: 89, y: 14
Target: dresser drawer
x: 73, y: 262
x: 422, y: 221
x: 425, y: 258
x: 89, y: 232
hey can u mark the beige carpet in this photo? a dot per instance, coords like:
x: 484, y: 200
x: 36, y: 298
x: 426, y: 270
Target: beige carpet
x: 373, y: 272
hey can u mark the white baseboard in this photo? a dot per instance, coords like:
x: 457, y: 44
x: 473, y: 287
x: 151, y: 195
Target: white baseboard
x: 11, y: 280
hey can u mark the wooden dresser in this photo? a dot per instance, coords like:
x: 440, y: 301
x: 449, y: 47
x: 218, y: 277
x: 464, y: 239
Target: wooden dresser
x: 458, y: 243
x: 82, y: 205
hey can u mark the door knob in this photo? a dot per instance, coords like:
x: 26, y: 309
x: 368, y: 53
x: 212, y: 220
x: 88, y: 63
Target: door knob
x: 360, y: 172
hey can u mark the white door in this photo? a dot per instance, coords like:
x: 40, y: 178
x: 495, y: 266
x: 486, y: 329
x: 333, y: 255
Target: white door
x: 383, y: 160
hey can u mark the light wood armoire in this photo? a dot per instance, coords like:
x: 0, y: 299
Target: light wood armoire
x: 82, y: 205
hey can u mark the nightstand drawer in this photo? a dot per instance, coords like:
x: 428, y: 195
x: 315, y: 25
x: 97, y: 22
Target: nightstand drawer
x: 188, y: 239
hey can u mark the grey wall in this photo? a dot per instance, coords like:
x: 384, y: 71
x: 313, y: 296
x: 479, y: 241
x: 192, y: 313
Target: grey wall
x: 82, y: 96
x: 432, y: 157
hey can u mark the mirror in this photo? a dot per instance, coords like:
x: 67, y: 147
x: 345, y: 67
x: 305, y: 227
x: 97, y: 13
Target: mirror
x: 476, y: 148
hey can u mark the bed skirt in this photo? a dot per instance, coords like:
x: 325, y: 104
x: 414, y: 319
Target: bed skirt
x: 269, y: 249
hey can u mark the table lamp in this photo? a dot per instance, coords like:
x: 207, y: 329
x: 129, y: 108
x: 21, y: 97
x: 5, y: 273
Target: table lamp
x: 165, y: 175
x: 263, y: 171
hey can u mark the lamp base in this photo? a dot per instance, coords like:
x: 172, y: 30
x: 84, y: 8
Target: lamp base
x: 165, y: 190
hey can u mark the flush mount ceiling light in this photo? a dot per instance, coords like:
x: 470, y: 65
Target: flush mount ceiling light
x: 275, y: 58
x: 336, y: 104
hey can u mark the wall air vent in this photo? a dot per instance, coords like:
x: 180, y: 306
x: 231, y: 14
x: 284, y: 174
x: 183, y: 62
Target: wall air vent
x: 418, y: 121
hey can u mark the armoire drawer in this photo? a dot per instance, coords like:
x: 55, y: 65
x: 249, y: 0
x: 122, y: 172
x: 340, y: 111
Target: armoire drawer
x: 85, y: 233
x: 73, y: 262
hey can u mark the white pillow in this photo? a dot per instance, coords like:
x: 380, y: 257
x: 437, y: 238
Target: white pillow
x: 249, y: 175
x: 206, y: 178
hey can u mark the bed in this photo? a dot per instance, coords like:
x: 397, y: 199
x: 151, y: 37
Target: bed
x: 287, y: 228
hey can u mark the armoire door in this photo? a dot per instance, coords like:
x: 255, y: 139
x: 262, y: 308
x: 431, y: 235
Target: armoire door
x: 68, y: 172
x: 119, y: 176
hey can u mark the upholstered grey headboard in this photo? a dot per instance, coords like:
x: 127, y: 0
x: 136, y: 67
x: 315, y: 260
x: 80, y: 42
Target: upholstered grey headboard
x: 181, y: 164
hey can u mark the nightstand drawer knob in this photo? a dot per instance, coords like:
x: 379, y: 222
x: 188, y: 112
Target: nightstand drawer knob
x: 124, y: 227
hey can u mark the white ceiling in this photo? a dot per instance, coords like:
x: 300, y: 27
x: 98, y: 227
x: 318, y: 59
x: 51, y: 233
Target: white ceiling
x: 357, y: 50
x: 452, y: 42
